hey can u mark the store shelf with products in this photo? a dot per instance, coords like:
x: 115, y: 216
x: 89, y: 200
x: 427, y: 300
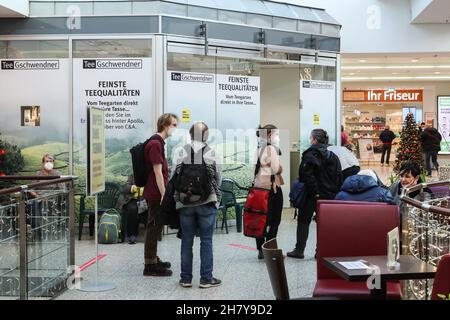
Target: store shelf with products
x: 365, y: 125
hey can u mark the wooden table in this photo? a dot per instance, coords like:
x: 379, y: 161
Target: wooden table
x: 410, y: 268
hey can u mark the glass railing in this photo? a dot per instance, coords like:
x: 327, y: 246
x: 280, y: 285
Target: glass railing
x: 426, y: 231
x: 36, y: 239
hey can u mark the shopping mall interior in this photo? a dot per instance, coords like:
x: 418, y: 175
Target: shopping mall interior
x: 83, y: 82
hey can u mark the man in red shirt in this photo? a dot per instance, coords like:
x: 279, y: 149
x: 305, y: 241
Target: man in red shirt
x: 154, y: 190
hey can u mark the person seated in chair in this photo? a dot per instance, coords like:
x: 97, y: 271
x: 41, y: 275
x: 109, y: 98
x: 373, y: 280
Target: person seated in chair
x: 128, y: 202
x: 409, y: 177
x: 364, y: 186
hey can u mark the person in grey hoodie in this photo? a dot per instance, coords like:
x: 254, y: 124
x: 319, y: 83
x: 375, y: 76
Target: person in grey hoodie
x: 200, y: 215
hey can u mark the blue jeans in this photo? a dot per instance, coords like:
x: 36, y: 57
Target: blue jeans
x: 203, y: 219
x: 431, y: 155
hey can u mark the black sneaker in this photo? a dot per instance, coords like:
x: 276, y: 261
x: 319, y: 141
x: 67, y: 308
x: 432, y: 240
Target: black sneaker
x: 260, y: 255
x: 156, y: 270
x: 185, y: 283
x: 209, y: 284
x: 166, y: 265
x: 132, y: 240
x: 295, y: 254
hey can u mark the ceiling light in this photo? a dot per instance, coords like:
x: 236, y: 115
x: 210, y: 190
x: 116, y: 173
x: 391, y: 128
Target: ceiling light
x: 414, y: 60
x: 362, y: 60
x: 437, y: 72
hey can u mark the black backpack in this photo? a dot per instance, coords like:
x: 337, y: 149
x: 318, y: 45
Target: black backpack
x: 140, y: 170
x: 193, y: 182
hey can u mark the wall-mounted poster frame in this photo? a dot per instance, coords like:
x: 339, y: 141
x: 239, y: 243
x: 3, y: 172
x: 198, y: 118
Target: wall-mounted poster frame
x: 443, y: 122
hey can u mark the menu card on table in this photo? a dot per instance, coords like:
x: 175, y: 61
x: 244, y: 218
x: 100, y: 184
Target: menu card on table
x: 393, y: 249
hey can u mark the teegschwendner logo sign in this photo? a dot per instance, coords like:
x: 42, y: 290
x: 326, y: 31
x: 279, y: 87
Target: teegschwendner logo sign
x: 112, y: 64
x: 29, y: 64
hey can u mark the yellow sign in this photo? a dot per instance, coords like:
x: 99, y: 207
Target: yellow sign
x: 316, y: 119
x: 186, y: 115
x: 96, y: 151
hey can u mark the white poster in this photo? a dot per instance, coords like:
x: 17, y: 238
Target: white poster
x: 366, y: 151
x: 238, y: 102
x: 318, y: 110
x: 123, y: 88
x: 191, y: 97
x: 444, y: 122
x: 35, y: 109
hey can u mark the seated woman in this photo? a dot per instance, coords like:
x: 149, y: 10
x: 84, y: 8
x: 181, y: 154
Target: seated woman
x: 409, y: 177
x: 364, y: 187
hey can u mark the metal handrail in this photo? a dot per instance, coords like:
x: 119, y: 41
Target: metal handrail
x: 424, y: 206
x: 52, y: 180
x: 424, y: 222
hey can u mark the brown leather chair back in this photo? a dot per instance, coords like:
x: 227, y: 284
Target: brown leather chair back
x: 275, y: 267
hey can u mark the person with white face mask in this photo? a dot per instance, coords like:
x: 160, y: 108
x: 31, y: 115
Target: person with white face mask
x: 48, y: 169
x: 48, y: 164
x: 157, y: 179
x: 36, y: 210
x: 268, y: 176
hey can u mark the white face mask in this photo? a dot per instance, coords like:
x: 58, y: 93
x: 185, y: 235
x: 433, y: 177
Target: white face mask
x: 171, y: 131
x: 48, y: 166
x: 276, y: 140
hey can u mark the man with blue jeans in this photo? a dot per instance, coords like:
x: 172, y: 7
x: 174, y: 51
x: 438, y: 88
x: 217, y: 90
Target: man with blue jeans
x: 197, y: 206
x: 204, y: 218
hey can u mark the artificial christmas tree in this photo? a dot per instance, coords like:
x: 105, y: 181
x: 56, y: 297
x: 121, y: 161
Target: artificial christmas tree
x: 410, y: 148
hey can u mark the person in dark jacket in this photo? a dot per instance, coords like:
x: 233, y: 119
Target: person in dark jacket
x: 387, y: 136
x: 320, y: 171
x: 364, y: 187
x: 431, y: 144
x: 421, y: 128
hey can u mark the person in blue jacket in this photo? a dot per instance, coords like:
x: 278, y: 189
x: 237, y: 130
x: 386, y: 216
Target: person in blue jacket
x: 364, y: 187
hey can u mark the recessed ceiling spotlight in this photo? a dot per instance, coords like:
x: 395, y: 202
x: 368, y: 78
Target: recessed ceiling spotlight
x: 437, y: 72
x: 414, y: 60
x: 362, y: 60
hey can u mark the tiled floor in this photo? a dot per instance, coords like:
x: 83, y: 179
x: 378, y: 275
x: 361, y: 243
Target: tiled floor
x: 243, y: 275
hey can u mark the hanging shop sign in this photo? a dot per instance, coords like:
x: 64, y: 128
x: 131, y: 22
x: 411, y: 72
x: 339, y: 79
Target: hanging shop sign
x: 390, y: 95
